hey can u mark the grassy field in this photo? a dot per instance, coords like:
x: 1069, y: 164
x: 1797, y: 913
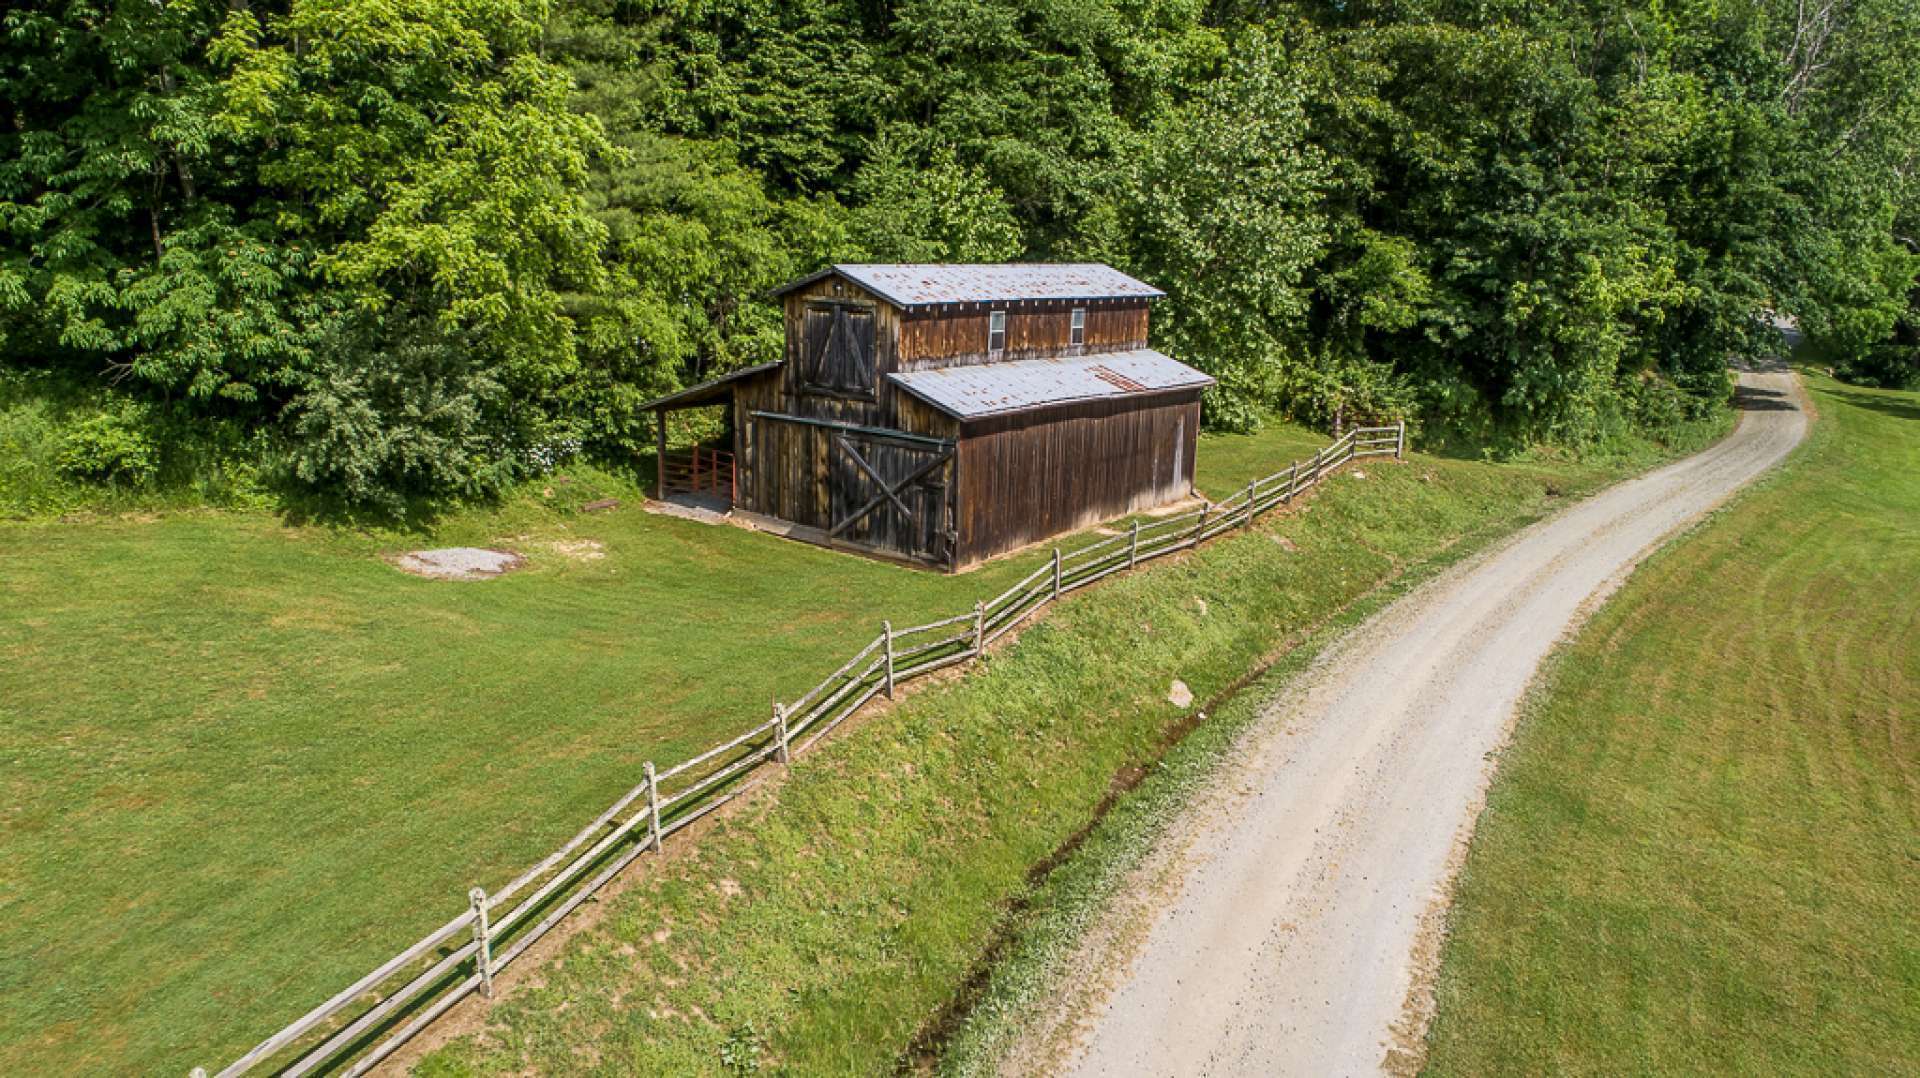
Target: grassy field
x: 828, y: 925
x: 245, y: 761
x: 1702, y: 852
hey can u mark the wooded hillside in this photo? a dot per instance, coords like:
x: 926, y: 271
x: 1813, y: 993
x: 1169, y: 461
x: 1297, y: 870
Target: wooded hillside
x: 383, y: 251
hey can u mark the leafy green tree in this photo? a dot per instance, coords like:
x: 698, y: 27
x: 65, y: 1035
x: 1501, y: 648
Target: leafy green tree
x: 422, y: 246
x: 209, y: 200
x: 694, y: 237
x: 1221, y: 200
x: 1849, y: 82
x: 434, y: 155
x: 130, y: 248
x: 924, y: 206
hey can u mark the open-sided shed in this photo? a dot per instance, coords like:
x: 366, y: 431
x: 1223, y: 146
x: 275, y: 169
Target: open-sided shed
x: 948, y: 413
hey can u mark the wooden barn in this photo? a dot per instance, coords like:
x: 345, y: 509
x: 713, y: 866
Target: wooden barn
x: 948, y: 413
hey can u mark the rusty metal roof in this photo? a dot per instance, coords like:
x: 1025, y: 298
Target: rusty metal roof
x: 972, y: 392
x: 924, y: 284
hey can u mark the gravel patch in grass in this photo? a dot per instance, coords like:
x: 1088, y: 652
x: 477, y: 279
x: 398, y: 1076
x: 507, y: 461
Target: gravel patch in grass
x: 459, y: 563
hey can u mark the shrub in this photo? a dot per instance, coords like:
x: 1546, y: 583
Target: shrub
x: 1890, y: 366
x: 422, y: 419
x: 113, y: 447
x: 1337, y: 393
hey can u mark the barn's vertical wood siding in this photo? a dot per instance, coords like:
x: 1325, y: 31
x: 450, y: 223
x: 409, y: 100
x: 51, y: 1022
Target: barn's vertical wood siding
x: 1032, y: 475
x: 801, y: 474
x: 956, y: 334
x: 1012, y: 480
x: 793, y: 399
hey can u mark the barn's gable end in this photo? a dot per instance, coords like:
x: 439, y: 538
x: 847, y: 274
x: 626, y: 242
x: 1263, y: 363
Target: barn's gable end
x: 842, y: 342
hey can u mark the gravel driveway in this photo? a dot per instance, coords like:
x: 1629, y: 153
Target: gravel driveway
x: 1297, y: 924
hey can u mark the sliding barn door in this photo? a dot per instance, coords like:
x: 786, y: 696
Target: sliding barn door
x: 891, y: 494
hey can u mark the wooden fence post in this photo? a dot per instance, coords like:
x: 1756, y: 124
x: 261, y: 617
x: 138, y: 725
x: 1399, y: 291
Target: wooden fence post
x: 1133, y: 548
x: 780, y: 731
x: 1400, y: 441
x: 483, y: 957
x: 980, y: 628
x: 1056, y: 572
x: 653, y: 808
x: 886, y: 628
x: 1249, y: 517
x: 1201, y: 526
x: 1293, y: 475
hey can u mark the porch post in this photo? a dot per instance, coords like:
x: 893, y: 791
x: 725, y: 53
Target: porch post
x: 660, y: 455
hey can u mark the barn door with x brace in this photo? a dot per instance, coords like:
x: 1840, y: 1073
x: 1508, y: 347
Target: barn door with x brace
x: 891, y: 493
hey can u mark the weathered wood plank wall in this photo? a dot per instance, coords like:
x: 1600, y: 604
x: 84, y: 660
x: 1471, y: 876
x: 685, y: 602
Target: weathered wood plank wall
x: 1013, y: 480
x: 1028, y: 476
x: 814, y: 475
x: 952, y: 336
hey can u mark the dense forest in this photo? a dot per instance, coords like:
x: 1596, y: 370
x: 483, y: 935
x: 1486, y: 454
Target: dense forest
x: 385, y: 251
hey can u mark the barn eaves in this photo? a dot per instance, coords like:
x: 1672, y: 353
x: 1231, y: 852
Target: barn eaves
x: 711, y: 391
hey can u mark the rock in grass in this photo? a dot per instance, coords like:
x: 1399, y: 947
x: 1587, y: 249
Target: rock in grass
x: 1179, y: 695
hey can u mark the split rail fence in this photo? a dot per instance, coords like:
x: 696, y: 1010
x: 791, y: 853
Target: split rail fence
x: 368, y: 1020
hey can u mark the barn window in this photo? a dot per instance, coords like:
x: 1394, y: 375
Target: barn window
x: 838, y: 358
x: 997, y: 331
x: 1078, y: 334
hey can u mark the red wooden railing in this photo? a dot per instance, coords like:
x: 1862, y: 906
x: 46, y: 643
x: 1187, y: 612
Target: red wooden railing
x: 698, y: 471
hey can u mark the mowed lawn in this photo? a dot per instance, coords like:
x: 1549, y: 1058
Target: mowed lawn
x: 1702, y: 852
x: 245, y: 761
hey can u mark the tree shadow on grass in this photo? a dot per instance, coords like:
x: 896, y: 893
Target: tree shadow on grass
x: 1884, y: 403
x: 421, y: 515
x: 413, y: 516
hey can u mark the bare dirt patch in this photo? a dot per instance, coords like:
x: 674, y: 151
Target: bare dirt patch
x: 579, y: 549
x: 459, y: 563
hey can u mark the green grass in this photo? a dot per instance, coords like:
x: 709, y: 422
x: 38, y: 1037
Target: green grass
x: 827, y: 924
x: 246, y: 761
x: 1041, y: 940
x: 1702, y: 851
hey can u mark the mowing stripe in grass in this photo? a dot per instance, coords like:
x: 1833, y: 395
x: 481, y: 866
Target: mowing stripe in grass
x: 1702, y: 849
